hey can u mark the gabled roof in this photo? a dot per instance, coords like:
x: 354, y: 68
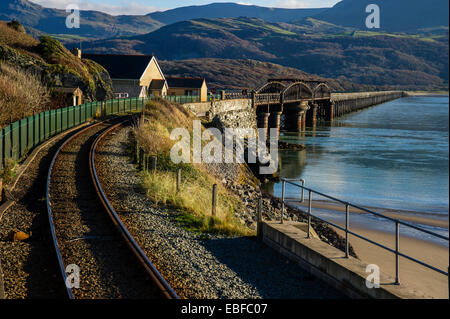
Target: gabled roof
x: 175, y: 82
x: 122, y: 66
x: 73, y: 90
x: 157, y: 84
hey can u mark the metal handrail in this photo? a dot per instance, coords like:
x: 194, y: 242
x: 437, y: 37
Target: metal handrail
x: 347, y: 230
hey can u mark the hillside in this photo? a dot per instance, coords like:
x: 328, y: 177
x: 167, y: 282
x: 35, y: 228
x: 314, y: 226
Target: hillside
x: 94, y: 24
x: 52, y: 63
x: 398, y: 15
x: 371, y: 58
x: 232, y: 10
x: 244, y: 74
x: 101, y: 25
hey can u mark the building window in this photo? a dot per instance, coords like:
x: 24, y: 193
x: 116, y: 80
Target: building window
x: 121, y: 95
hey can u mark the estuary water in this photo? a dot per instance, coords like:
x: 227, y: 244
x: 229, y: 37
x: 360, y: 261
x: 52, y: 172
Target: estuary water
x: 390, y: 157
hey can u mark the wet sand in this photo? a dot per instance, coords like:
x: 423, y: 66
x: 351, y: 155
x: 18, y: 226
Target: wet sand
x: 430, y: 219
x: 413, y: 275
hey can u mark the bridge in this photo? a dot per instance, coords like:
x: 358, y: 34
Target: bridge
x: 292, y: 104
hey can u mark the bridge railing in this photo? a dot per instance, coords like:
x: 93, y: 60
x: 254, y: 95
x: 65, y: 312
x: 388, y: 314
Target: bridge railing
x: 214, y: 97
x: 18, y: 138
x: 348, y: 232
x: 267, y: 98
x: 322, y: 95
x: 235, y: 95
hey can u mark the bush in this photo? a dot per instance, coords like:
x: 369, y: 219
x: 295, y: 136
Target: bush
x: 15, y: 39
x: 8, y: 171
x: 16, y: 25
x: 21, y: 94
x: 193, y: 201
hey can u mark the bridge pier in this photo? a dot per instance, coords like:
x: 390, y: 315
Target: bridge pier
x: 275, y: 120
x: 297, y: 93
x: 304, y: 107
x: 312, y: 115
x: 329, y: 111
x: 263, y: 121
x: 295, y: 120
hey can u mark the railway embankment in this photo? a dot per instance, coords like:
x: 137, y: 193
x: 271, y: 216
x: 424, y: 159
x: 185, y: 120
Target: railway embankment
x: 196, y: 264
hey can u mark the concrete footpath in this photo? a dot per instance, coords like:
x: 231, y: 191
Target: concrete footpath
x: 328, y: 263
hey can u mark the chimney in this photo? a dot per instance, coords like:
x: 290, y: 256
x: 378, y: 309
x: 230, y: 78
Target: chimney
x: 76, y: 52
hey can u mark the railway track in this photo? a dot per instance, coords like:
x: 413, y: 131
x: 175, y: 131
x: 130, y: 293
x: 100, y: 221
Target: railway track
x: 87, y: 234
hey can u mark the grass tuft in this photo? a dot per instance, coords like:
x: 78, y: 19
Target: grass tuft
x: 194, y: 200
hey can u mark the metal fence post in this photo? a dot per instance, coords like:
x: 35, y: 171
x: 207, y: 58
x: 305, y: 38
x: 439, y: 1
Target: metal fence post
x: 214, y: 200
x: 141, y: 158
x: 282, y: 200
x: 153, y: 160
x: 309, y: 214
x: 145, y: 162
x: 259, y: 218
x: 178, y: 180
x: 347, y: 222
x: 303, y: 191
x: 397, y: 239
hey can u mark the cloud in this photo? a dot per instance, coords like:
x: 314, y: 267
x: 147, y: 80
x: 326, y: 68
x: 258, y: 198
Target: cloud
x: 291, y: 4
x: 125, y: 7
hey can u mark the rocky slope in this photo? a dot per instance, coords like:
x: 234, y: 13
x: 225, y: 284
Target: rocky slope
x: 54, y: 63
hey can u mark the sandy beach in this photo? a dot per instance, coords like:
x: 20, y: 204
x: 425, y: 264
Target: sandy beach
x: 412, y: 274
x: 415, y: 276
x: 407, y: 216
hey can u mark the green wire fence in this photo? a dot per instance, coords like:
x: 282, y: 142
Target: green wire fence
x: 19, y: 137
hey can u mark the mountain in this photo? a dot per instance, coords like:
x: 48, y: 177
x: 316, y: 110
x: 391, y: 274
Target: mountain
x: 101, y: 25
x: 398, y: 15
x: 224, y: 38
x: 232, y: 10
x: 395, y: 15
x: 93, y: 23
x: 371, y: 58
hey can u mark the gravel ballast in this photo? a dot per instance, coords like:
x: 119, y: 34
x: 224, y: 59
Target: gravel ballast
x: 217, y: 267
x: 30, y: 267
x: 86, y: 235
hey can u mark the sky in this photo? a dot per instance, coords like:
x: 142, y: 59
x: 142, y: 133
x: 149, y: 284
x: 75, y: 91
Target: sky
x: 140, y: 7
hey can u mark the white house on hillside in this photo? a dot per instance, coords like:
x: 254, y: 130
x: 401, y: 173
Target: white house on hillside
x: 132, y: 75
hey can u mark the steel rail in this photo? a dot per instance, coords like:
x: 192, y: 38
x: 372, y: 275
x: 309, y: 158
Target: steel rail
x: 167, y: 291
x: 49, y: 206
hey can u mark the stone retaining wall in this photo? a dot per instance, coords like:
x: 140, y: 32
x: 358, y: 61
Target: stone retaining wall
x: 226, y: 113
